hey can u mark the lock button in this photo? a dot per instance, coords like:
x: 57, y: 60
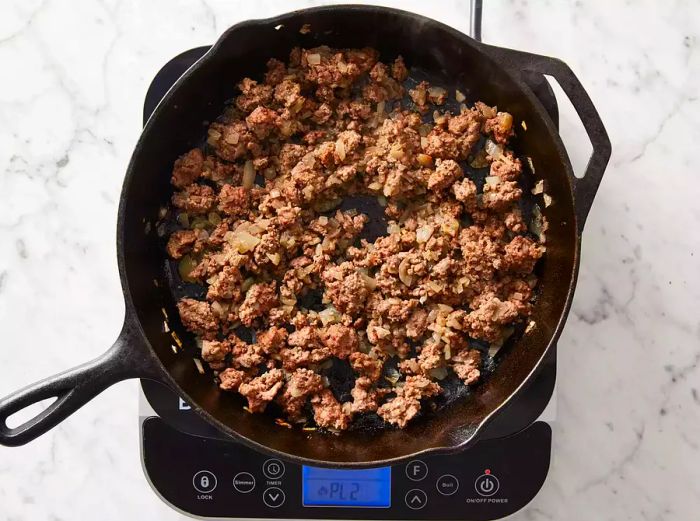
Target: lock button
x: 204, y: 481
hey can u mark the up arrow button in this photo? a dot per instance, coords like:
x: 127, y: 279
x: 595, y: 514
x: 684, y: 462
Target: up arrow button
x: 416, y: 499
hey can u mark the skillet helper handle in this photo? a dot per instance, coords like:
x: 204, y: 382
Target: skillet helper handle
x: 584, y: 188
x: 72, y: 389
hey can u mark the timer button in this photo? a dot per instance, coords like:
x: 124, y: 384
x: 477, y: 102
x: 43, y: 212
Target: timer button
x: 416, y: 470
x: 487, y: 484
x: 204, y: 481
x: 274, y: 497
x: 416, y: 499
x: 447, y: 485
x: 273, y: 469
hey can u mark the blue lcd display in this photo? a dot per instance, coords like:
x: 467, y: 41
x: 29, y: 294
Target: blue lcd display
x: 369, y: 488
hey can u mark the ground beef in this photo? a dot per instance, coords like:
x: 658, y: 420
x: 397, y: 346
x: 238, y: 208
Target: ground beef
x: 233, y: 200
x: 346, y: 288
x: 500, y: 126
x: 322, y: 287
x: 328, y: 412
x: 262, y: 121
x: 465, y: 192
x: 340, y: 340
x: 231, y: 379
x: 272, y: 339
x: 366, y: 366
x: 198, y: 317
x: 225, y: 285
x: 253, y: 95
x: 262, y: 390
x: 521, y: 254
x: 302, y: 384
x: 214, y: 352
x: 187, y: 168
x: 488, y: 320
x: 401, y: 409
x: 194, y: 199
x: 501, y: 195
x: 259, y: 299
x: 466, y: 364
x: 180, y: 243
x: 445, y: 175
x: 365, y: 396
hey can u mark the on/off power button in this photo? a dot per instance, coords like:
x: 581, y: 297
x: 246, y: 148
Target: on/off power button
x: 487, y: 484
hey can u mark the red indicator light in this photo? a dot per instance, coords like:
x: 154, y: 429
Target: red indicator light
x: 487, y: 471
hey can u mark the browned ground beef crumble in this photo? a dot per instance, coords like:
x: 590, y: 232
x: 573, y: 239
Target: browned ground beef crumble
x: 454, y: 265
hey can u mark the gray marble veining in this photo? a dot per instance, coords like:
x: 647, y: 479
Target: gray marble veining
x: 628, y: 423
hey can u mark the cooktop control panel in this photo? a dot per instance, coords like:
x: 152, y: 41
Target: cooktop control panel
x: 218, y: 478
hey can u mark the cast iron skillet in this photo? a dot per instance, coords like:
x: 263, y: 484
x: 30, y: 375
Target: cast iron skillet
x: 452, y: 59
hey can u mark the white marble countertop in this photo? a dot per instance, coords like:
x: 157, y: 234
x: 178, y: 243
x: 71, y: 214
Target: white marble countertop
x: 628, y: 427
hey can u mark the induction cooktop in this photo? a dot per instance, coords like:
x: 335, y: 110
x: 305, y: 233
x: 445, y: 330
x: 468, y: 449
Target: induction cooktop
x: 201, y: 472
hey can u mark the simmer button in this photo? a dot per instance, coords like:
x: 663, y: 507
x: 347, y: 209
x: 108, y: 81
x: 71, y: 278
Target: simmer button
x: 244, y: 482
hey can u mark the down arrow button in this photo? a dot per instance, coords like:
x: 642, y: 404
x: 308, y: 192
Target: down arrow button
x: 273, y: 497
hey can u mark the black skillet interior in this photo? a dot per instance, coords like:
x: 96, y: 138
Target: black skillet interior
x: 446, y: 58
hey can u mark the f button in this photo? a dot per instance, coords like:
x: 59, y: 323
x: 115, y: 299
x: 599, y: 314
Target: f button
x: 416, y: 470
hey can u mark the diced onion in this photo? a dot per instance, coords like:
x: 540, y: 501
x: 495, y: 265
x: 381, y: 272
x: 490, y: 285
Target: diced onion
x: 403, y: 272
x: 424, y: 233
x: 244, y: 242
x: 459, y: 96
x: 232, y: 138
x: 248, y: 175
x: 492, y: 180
x: 437, y: 95
x: 329, y: 316
x: 369, y: 281
x: 247, y: 283
x: 340, y: 149
x: 493, y: 149
x: 538, y: 188
x: 313, y: 59
x: 439, y: 373
x: 424, y: 160
x: 185, y: 267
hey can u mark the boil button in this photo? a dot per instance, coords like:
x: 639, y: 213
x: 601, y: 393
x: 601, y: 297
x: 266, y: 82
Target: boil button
x: 447, y: 485
x: 487, y: 484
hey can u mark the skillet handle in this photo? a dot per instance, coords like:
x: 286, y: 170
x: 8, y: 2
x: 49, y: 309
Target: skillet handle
x: 585, y: 187
x: 74, y: 388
